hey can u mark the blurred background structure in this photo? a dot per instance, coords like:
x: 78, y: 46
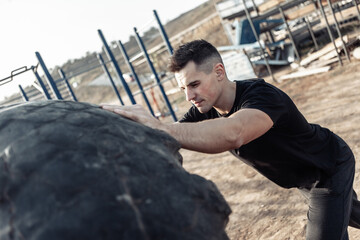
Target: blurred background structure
x: 256, y: 38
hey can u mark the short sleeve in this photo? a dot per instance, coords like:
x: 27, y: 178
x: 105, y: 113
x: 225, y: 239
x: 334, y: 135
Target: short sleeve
x: 266, y: 98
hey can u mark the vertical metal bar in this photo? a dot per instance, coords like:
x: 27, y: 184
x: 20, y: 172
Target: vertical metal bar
x: 357, y: 8
x: 237, y: 25
x: 48, y: 77
x: 225, y: 26
x: 163, y: 33
x: 338, y: 31
x: 45, y: 92
x: 142, y: 46
x: 247, y: 55
x: 116, y: 66
x: 23, y: 94
x: 290, y: 34
x: 63, y: 76
x: 258, y: 40
x: 271, y: 36
x: 329, y: 30
x: 337, y: 6
x: 311, y: 33
x: 126, y: 57
x: 103, y: 65
x: 255, y: 8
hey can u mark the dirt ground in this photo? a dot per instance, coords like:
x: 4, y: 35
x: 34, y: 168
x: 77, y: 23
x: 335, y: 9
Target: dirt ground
x: 261, y: 209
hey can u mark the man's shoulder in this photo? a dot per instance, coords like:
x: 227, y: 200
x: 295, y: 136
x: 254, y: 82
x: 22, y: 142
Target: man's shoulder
x: 251, y: 82
x: 255, y: 85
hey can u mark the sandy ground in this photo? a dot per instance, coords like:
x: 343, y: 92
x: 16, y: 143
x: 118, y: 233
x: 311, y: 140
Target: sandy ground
x: 261, y: 209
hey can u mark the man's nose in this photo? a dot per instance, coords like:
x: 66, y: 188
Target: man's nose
x: 189, y: 95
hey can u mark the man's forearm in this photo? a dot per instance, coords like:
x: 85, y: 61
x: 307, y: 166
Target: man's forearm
x: 209, y: 136
x: 221, y: 134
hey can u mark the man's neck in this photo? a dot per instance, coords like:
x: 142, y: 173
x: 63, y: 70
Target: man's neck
x: 227, y: 98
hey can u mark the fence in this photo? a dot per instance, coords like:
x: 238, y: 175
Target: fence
x: 48, y: 88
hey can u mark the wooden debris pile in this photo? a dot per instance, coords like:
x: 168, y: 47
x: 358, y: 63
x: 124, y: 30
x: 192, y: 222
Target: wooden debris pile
x: 323, y: 59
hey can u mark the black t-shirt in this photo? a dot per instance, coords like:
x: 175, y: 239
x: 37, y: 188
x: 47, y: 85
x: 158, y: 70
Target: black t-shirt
x: 293, y: 153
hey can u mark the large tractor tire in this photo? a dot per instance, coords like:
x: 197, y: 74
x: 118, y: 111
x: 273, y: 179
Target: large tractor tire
x: 72, y: 171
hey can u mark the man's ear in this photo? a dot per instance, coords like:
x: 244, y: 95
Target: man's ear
x: 219, y: 71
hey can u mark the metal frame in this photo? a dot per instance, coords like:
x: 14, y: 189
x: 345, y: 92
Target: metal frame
x: 146, y: 55
x: 116, y: 66
x: 48, y: 77
x: 103, y: 65
x: 63, y: 76
x: 125, y: 55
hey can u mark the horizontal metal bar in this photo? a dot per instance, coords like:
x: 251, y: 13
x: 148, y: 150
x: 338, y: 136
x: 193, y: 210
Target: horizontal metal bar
x: 62, y: 88
x: 15, y: 73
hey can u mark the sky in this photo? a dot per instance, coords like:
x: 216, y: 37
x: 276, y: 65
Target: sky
x: 66, y: 29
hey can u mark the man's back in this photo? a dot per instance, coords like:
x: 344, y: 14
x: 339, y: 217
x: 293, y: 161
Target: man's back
x: 293, y: 153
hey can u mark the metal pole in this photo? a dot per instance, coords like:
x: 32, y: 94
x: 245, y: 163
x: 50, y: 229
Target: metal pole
x: 255, y: 8
x: 125, y: 55
x: 271, y: 36
x: 116, y: 66
x: 142, y: 46
x: 225, y: 26
x: 23, y: 94
x: 258, y: 40
x: 103, y: 65
x: 45, y: 92
x: 337, y: 6
x: 357, y: 8
x: 163, y: 33
x: 247, y: 55
x: 63, y: 76
x: 290, y: 34
x: 13, y: 74
x: 48, y: 77
x: 329, y: 30
x: 311, y: 33
x: 339, y: 32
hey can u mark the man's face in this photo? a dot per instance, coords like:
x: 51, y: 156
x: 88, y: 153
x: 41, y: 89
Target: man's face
x: 200, y: 88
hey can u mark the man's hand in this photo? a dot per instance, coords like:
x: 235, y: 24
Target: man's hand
x: 136, y: 113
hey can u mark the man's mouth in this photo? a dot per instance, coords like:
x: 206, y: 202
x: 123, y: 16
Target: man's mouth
x: 197, y: 103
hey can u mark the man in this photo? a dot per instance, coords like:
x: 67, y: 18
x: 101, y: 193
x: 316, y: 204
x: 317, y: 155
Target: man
x: 261, y: 125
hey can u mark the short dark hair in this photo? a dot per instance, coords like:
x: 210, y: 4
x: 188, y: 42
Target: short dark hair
x: 198, y: 51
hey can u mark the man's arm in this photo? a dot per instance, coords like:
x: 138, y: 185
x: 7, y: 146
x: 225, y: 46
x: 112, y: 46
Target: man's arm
x: 210, y: 136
